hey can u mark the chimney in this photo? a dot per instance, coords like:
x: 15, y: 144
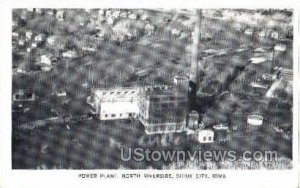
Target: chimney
x: 194, y: 59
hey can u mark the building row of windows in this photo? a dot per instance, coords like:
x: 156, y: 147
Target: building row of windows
x: 119, y: 115
x: 119, y: 92
x: 209, y: 138
x: 162, y: 128
x: 143, y: 114
x: 164, y: 99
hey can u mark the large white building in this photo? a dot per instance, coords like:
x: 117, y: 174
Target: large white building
x: 118, y: 103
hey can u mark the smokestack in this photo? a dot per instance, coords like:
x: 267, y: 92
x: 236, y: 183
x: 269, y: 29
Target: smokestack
x: 194, y: 59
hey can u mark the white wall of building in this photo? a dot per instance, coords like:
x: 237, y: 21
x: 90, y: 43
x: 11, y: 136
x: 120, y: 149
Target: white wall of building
x: 118, y: 110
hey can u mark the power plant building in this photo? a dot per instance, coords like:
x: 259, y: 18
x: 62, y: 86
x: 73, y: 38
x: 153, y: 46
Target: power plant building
x: 162, y: 109
x: 111, y: 104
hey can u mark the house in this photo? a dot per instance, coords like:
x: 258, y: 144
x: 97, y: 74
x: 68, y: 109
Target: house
x: 38, y: 11
x: 254, y: 119
x: 116, y: 14
x: 206, y: 36
x: 69, y: 54
x: 46, y: 63
x: 24, y: 15
x: 210, y: 51
x: 145, y: 17
x: 51, y: 40
x: 33, y: 45
x: 285, y: 73
x: 101, y: 12
x: 149, y: 29
x: 22, y: 70
x: 257, y: 60
x: 221, y: 132
x: 100, y: 35
x: 258, y: 85
x: 108, y: 14
x: 46, y: 60
x: 175, y: 32
x: 259, y: 50
x: 239, y: 28
x: 268, y: 77
x: 249, y: 32
x: 15, y: 34
x: 28, y: 49
x: 132, y: 16
x: 289, y: 32
x: 60, y: 92
x: 50, y: 12
x: 14, y: 25
x: 46, y: 68
x: 110, y: 21
x: 28, y: 35
x: 206, y: 136
x: 193, y: 121
x: 123, y: 14
x: 262, y: 34
x: 21, y: 42
x: 88, y: 49
x: 39, y: 38
x: 274, y: 35
x: 280, y: 47
x: 23, y: 95
x: 60, y: 15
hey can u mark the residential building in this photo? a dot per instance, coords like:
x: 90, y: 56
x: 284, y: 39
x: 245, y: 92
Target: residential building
x: 206, y: 136
x: 69, y: 54
x: 132, y: 17
x: 193, y: 120
x: 221, y: 132
x: 23, y: 95
x: 15, y: 34
x: 61, y: 92
x: 39, y: 38
x: 28, y: 35
x: 285, y: 73
x: 60, y: 15
x: 254, y: 121
x: 46, y: 60
x: 274, y: 35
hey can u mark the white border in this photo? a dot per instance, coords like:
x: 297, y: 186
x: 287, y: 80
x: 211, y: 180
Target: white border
x: 67, y: 178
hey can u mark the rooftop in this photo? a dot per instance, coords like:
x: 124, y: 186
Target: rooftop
x: 116, y: 93
x: 158, y: 90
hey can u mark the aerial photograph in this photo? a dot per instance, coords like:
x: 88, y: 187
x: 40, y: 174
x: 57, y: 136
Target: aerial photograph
x: 158, y: 89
